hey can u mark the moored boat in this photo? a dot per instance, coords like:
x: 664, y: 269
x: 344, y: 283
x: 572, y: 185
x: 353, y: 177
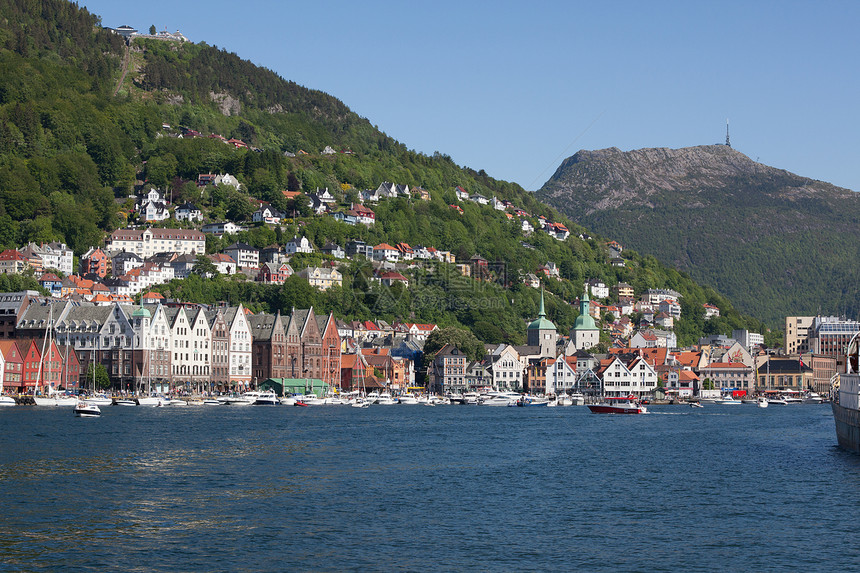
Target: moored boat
x: 696, y: 405
x: 7, y: 401
x: 99, y: 400
x: 622, y: 405
x: 845, y: 399
x: 762, y: 402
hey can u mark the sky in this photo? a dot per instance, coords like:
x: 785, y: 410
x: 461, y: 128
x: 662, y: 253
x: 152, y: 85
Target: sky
x: 516, y: 87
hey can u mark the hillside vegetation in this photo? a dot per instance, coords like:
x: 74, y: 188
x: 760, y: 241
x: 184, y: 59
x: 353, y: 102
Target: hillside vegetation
x: 72, y: 153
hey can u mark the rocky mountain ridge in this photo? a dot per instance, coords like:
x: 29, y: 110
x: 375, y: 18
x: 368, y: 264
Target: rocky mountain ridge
x: 765, y: 236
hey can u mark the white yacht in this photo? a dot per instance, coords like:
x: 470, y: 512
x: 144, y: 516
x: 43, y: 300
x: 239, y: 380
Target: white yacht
x: 727, y: 400
x: 7, y: 401
x: 99, y: 400
x: 266, y: 398
x: 500, y: 399
x: 385, y: 399
x: 408, y: 398
x: 813, y: 398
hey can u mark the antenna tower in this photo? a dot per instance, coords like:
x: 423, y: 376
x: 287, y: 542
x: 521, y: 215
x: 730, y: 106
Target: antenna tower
x: 728, y: 143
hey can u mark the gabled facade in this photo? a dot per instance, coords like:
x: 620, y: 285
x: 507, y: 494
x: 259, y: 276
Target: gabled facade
x: 268, y: 359
x: 240, y: 347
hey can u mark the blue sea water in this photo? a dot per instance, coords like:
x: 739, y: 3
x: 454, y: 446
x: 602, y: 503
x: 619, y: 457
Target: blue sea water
x: 455, y: 488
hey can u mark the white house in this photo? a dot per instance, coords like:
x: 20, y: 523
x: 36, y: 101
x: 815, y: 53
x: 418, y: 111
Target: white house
x: 656, y: 295
x: 245, y: 255
x: 637, y: 378
x: 188, y: 212
x: 240, y: 346
x: 227, y: 227
x: 298, y: 245
x: 507, y: 368
x: 480, y: 199
x: 462, y: 194
x: 385, y: 252
x: 597, y: 288
x: 561, y: 375
x: 153, y: 208
x: 267, y: 214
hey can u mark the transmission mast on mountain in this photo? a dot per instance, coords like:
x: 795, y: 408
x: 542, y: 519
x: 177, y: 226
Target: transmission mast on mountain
x: 728, y: 144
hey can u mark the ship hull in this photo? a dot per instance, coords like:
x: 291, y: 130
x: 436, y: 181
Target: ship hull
x: 847, y: 427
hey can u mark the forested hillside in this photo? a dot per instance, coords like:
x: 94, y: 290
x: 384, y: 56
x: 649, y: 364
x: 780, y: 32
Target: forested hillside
x: 76, y: 145
x: 778, y: 244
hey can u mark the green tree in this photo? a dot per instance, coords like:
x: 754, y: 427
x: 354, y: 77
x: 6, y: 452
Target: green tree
x: 102, y: 380
x: 152, y: 30
x: 459, y: 337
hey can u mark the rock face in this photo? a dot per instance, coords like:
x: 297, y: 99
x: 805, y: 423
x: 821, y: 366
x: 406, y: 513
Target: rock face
x: 767, y: 238
x: 611, y: 178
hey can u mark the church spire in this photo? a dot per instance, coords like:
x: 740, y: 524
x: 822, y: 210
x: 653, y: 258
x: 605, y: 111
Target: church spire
x: 541, y: 311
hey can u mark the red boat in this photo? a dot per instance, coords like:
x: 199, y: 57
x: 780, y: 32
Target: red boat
x: 623, y: 405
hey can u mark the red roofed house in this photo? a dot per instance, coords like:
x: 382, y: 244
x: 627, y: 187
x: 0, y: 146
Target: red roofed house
x: 711, y: 311
x: 96, y: 262
x: 388, y: 278
x: 385, y: 252
x: 12, y: 261
x: 13, y: 369
x: 736, y: 375
x: 362, y: 214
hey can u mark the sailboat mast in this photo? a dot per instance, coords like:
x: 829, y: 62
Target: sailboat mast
x: 44, y: 340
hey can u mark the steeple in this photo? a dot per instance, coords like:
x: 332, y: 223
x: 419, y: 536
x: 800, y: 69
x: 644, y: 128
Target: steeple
x: 542, y: 333
x: 541, y: 311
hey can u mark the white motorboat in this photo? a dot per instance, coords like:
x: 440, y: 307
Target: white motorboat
x: 407, y: 398
x: 385, y: 399
x: 696, y: 405
x: 762, y: 402
x: 212, y: 402
x: 245, y: 399
x: 360, y: 403
x: 500, y: 399
x: 471, y: 398
x: 727, y: 401
x: 813, y: 398
x: 99, y: 400
x: 577, y: 399
x: 266, y: 398
x: 151, y: 401
x: 777, y: 401
x: 125, y: 402
x: 7, y: 401
x: 175, y: 402
x: 85, y: 410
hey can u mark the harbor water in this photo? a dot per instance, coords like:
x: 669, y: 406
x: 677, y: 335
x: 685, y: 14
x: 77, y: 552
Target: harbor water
x: 453, y: 488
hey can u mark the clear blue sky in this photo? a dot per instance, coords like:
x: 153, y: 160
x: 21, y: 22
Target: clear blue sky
x: 515, y: 87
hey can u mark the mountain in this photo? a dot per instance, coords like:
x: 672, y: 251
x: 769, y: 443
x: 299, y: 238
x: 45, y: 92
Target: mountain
x: 774, y: 242
x: 88, y: 122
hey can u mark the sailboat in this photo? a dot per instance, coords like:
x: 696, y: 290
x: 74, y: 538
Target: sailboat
x: 53, y: 398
